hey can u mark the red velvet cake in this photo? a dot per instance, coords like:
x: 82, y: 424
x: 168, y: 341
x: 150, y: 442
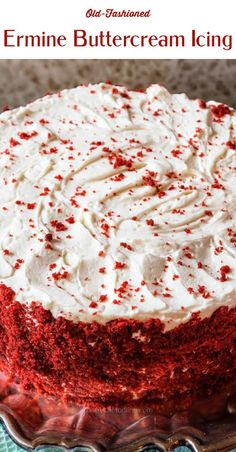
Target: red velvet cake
x: 118, y: 246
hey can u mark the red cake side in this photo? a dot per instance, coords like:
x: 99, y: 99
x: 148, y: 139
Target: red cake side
x: 121, y: 362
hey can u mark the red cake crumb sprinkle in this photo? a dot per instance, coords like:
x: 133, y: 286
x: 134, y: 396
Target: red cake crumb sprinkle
x: 116, y: 301
x: 203, y: 291
x: 187, y: 231
x: 13, y: 142
x: 81, y: 193
x: 119, y: 160
x: 176, y: 153
x: 217, y: 185
x: 119, y: 265
x: 219, y: 111
x: 103, y: 298
x: 105, y: 228
x: 19, y: 203
x: 102, y: 270
x: 45, y: 192
x: 150, y: 179
x: 31, y: 206
x: 48, y: 237
x: 218, y: 250
x: 202, y: 103
x: 231, y: 144
x: 126, y: 245
x: 58, y: 177
x: 224, y: 271
x: 93, y: 305
x: 27, y: 136
x: 6, y: 252
x: 118, y: 178
x: 57, y: 275
x: 18, y: 263
x: 150, y: 222
x: 43, y: 121
x: 70, y: 220
x: 60, y: 227
x: 208, y: 213
x: 188, y: 255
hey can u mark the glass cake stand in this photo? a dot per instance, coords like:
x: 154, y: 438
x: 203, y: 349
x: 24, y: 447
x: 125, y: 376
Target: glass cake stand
x: 35, y: 422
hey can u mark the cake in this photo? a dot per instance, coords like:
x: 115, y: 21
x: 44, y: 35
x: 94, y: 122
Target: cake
x: 118, y: 246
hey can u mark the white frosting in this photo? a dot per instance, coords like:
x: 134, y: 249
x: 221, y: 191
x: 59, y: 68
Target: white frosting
x: 146, y: 178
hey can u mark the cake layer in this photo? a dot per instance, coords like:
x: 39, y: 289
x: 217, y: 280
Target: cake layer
x: 119, y: 204
x: 122, y: 362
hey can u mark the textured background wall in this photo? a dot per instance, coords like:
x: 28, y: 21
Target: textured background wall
x: 24, y: 80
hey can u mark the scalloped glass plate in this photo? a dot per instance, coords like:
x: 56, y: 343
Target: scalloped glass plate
x: 39, y: 421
